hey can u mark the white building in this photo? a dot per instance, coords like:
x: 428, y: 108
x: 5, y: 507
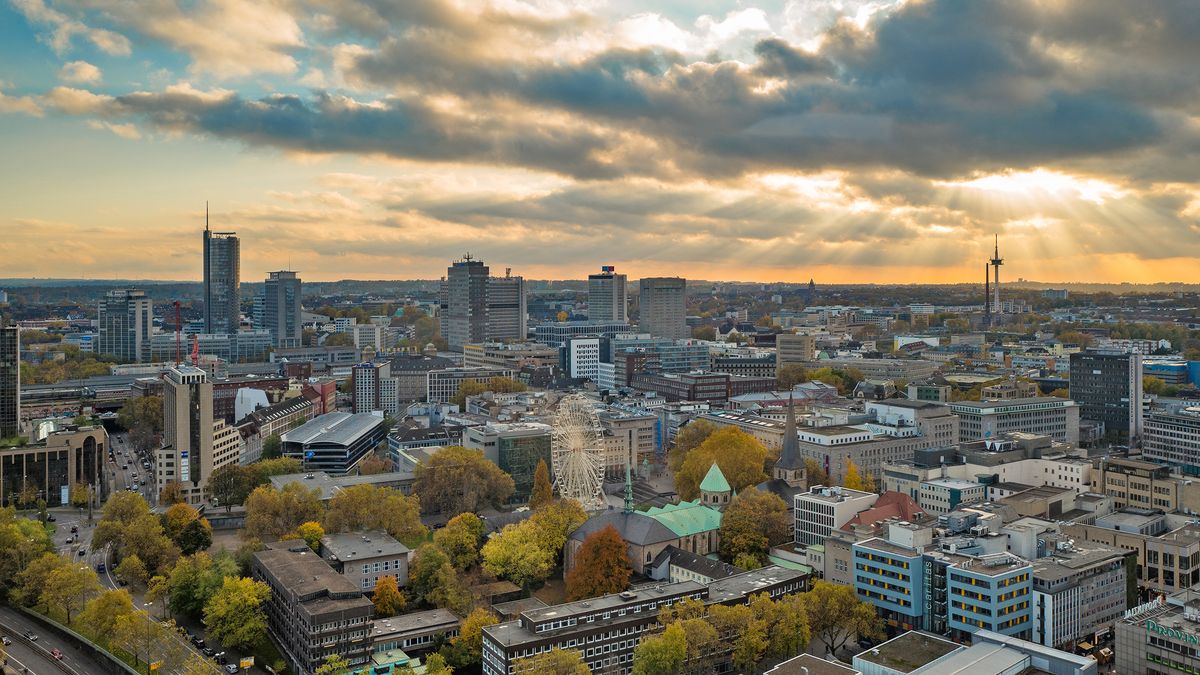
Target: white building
x: 823, y: 509
x: 582, y: 355
x: 442, y: 385
x: 943, y: 495
x: 1057, y: 418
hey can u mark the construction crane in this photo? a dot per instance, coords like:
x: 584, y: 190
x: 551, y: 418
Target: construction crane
x: 178, y: 332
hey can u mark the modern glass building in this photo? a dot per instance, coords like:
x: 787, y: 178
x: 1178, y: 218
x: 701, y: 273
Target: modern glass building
x: 222, y: 282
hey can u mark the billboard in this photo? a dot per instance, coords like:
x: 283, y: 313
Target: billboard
x: 185, y: 466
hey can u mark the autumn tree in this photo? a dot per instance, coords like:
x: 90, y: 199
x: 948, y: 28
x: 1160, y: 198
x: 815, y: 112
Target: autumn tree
x: 387, y: 598
x: 662, y: 654
x: 21, y: 541
x: 752, y: 523
x: 195, y: 579
x: 176, y: 517
x: 261, y: 471
x: 172, y: 493
x: 270, y: 513
x: 434, y: 581
x: 230, y: 484
x: 68, y: 588
x: 601, y: 567
x: 790, y: 375
x: 81, y: 495
x: 542, y: 493
x: 555, y: 522
x: 367, y: 507
x: 466, y: 650
x: 835, y: 615
x: 455, y: 480
x: 132, y: 570
x: 688, y: 438
x: 311, y: 532
x: 334, y: 664
x: 739, y: 455
x: 815, y: 472
x: 853, y: 480
x: 234, y: 615
x: 373, y: 464
x: 142, y: 416
x: 99, y: 618
x: 516, y: 554
x: 553, y: 662
x: 460, y: 538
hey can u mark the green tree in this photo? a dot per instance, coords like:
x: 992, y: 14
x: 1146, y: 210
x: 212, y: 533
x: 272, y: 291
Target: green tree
x: 230, y: 484
x: 132, y: 569
x: 367, y: 507
x: 460, y: 538
x: 100, y: 616
x: 262, y: 470
x: 601, y: 567
x: 789, y: 375
x: 1154, y: 385
x: 835, y: 614
x: 68, y: 589
x: 688, y: 438
x: 387, y: 598
x: 704, y: 333
x: 272, y: 447
x: 662, y: 654
x: 455, y: 480
x: 21, y: 541
x: 196, y: 536
x: 143, y: 418
x: 235, y: 615
x: 195, y: 579
x: 334, y: 664
x: 422, y: 573
x: 542, y: 493
x: 554, y: 662
x: 752, y: 523
x: 450, y: 591
x: 739, y: 455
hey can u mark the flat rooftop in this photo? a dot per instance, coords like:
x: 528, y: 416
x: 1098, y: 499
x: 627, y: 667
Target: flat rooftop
x: 350, y: 546
x: 335, y: 428
x: 909, y: 651
x: 414, y: 622
x: 1062, y: 564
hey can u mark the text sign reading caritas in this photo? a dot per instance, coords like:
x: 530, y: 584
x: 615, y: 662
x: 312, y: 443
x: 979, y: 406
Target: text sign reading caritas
x: 1175, y: 633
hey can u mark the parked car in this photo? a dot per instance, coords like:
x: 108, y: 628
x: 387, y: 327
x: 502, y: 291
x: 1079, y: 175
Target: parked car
x: 209, y: 652
x: 232, y: 668
x: 101, y: 567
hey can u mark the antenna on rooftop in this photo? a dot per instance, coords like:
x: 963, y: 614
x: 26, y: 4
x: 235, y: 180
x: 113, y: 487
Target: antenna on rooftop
x: 205, y: 215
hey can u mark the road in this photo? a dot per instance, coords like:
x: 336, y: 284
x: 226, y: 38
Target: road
x: 36, y: 655
x: 126, y: 469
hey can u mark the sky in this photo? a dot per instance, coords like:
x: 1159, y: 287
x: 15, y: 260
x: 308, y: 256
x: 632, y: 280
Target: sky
x: 841, y: 140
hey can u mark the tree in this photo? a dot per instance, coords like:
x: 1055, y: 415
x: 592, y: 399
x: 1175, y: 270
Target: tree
x: 455, y: 479
x: 852, y: 480
x: 261, y: 471
x: 373, y: 464
x: 99, y: 618
x: 177, y: 517
x: 554, y: 662
x: 33, y: 579
x: 500, y: 385
x: 689, y: 437
x: 739, y: 455
x: 435, y: 664
x: 835, y: 614
x: 1061, y: 393
x: 270, y: 512
x: 132, y: 569
x: 422, y: 573
x: 432, y: 579
x: 662, y: 654
x: 517, y: 555
x: 460, y: 538
x: 196, y: 536
x: 367, y: 507
x: 143, y: 417
x: 311, y: 532
x: 1074, y: 337
x: 601, y: 567
x: 195, y: 579
x: 68, y: 588
x: 752, y: 523
x: 704, y: 333
x: 554, y: 523
x: 1154, y: 385
x: 235, y: 615
x: 230, y: 484
x: 81, y: 495
x: 387, y: 598
x: 172, y: 493
x: 542, y: 493
x: 466, y: 650
x: 124, y: 507
x: 272, y: 447
x: 158, y: 591
x: 339, y: 340
x: 335, y: 664
x: 146, y: 539
x: 815, y: 472
x: 790, y: 375
x: 21, y: 541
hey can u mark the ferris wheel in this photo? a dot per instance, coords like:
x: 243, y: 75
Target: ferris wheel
x: 578, y: 452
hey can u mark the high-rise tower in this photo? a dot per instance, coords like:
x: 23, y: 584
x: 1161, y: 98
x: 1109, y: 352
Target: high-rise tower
x: 662, y: 307
x: 465, y: 303
x: 996, y: 262
x: 281, y: 308
x: 124, y: 324
x: 607, y: 300
x: 10, y: 381
x: 222, y: 280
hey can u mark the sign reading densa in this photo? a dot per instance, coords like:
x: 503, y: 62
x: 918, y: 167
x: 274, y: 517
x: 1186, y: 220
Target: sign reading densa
x: 1173, y: 633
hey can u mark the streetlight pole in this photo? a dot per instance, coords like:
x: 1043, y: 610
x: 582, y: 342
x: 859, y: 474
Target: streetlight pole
x: 149, y: 620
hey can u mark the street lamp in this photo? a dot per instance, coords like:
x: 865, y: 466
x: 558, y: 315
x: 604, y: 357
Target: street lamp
x: 149, y: 621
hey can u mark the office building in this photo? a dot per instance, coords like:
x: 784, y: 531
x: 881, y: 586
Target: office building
x: 943, y: 495
x: 442, y: 385
x: 605, y: 630
x: 281, y: 309
x: 1145, y: 485
x: 313, y: 612
x: 195, y: 442
x: 792, y: 348
x: 507, y: 314
x: 1045, y: 415
x: 1160, y: 637
x: 514, y: 447
x: 222, y: 281
x: 822, y: 510
x: 990, y: 653
x: 1108, y: 388
x: 464, y: 311
x: 607, y: 300
x: 124, y: 323
x: 364, y: 557
x: 1079, y: 590
x: 662, y: 307
x: 373, y: 388
x: 50, y: 467
x: 10, y: 381
x: 581, y: 357
x: 511, y: 355
x: 334, y: 442
x: 555, y: 334
x: 1173, y: 438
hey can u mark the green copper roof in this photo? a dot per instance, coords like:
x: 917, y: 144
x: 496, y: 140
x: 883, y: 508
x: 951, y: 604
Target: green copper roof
x: 714, y: 481
x: 789, y: 565
x: 686, y: 518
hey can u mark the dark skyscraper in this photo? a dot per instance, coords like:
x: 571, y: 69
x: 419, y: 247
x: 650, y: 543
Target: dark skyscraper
x: 281, y: 308
x: 1108, y: 388
x: 10, y: 381
x: 222, y: 281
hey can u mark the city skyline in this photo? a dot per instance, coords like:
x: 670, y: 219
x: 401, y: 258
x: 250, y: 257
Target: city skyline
x: 854, y: 142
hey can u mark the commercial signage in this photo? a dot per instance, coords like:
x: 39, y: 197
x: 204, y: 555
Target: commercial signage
x: 246, y: 662
x: 1173, y: 633
x: 64, y: 495
x: 185, y: 466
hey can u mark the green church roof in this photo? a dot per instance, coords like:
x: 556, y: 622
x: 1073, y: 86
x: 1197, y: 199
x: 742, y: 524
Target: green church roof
x: 686, y: 518
x: 715, y: 481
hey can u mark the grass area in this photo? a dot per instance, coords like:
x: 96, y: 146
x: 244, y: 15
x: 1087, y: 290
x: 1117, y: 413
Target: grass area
x: 266, y: 654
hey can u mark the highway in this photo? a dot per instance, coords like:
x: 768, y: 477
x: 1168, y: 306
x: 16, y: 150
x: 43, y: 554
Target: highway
x: 36, y: 655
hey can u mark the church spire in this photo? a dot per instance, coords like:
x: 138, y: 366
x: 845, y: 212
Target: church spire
x: 628, y: 489
x: 789, y: 457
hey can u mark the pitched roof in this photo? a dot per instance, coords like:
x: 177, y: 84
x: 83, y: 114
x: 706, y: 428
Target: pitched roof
x: 889, y: 505
x: 789, y: 457
x: 687, y: 518
x: 635, y: 528
x: 714, y: 480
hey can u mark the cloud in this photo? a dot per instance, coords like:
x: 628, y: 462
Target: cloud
x: 63, y: 29
x: 79, y: 72
x: 126, y: 131
x: 19, y: 104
